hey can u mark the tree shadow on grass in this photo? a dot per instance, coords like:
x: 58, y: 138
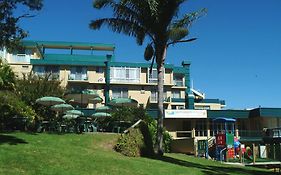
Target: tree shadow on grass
x: 213, y: 169
x: 11, y: 140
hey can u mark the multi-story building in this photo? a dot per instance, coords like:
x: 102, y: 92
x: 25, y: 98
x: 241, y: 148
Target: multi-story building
x: 93, y: 66
x: 188, y: 115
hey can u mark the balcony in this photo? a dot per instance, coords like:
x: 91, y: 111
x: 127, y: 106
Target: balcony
x: 20, y: 58
x: 217, y: 101
x: 78, y: 77
x: 178, y: 83
x: 51, y: 76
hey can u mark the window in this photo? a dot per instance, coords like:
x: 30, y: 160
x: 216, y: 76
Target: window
x: 99, y: 70
x: 152, y: 78
x: 176, y: 94
x: 52, y: 71
x: 78, y: 73
x: 119, y: 93
x: 178, y: 80
x: 125, y: 74
x: 154, y: 95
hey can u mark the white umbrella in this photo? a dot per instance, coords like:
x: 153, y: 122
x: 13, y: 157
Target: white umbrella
x: 49, y: 101
x: 62, y: 107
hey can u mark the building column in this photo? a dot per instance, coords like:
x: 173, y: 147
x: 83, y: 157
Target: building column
x: 107, y: 82
x: 189, y: 97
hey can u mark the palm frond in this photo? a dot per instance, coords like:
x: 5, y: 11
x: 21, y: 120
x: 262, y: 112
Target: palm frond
x: 177, y: 33
x: 118, y: 25
x: 98, y: 4
x: 189, y: 18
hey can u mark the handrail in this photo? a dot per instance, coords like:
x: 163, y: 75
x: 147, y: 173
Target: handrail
x: 221, y: 153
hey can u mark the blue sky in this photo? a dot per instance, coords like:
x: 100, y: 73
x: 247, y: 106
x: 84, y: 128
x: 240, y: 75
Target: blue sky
x: 237, y: 56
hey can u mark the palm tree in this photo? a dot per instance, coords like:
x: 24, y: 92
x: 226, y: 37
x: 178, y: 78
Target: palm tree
x: 156, y: 20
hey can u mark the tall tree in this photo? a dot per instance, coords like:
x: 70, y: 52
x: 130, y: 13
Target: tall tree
x: 10, y: 32
x: 156, y: 20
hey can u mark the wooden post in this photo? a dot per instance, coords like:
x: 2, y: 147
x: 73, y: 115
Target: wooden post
x: 193, y: 133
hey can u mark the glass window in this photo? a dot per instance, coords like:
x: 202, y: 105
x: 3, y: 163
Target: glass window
x: 178, y: 80
x: 154, y: 95
x: 53, y: 71
x: 99, y: 70
x: 125, y: 74
x: 153, y: 76
x: 78, y: 73
x: 119, y: 93
x: 176, y: 94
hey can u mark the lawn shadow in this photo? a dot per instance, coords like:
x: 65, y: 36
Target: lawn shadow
x: 213, y: 169
x: 11, y: 140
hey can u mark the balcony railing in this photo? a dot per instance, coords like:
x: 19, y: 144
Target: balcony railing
x: 51, y: 76
x: 152, y: 80
x: 222, y: 102
x: 124, y: 80
x: 81, y: 77
x: 178, y: 83
x: 20, y: 58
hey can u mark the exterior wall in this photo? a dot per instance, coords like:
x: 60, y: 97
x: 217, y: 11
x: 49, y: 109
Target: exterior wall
x: 64, y: 72
x: 20, y: 69
x: 183, y: 146
x: 143, y: 75
x: 95, y: 76
x: 168, y: 78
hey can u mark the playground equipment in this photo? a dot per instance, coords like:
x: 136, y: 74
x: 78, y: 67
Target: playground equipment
x: 224, y: 133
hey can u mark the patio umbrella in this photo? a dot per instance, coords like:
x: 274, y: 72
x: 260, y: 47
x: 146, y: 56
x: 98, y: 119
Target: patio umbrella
x: 49, y: 101
x: 120, y: 102
x: 74, y: 112
x: 70, y: 116
x: 101, y: 114
x: 96, y: 100
x: 62, y: 107
x: 103, y: 109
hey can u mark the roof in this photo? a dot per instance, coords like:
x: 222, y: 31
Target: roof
x: 68, y: 45
x: 228, y: 113
x: 202, y: 95
x: 65, y: 59
x: 266, y: 112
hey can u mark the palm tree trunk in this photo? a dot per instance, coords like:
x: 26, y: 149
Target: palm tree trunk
x: 160, y: 57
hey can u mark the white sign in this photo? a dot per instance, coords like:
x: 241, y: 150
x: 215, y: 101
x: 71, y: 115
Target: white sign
x: 185, y: 113
x: 263, y: 153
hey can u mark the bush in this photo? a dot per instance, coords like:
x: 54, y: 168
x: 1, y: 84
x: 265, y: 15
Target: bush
x: 13, y: 110
x: 147, y: 128
x: 131, y: 143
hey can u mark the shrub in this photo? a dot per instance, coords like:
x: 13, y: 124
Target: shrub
x: 131, y: 143
x: 12, y: 108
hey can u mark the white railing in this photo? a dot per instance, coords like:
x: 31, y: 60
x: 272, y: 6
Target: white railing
x: 77, y: 77
x: 125, y: 80
x: 20, y: 58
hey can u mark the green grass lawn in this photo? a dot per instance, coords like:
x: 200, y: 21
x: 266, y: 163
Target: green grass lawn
x: 23, y: 153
